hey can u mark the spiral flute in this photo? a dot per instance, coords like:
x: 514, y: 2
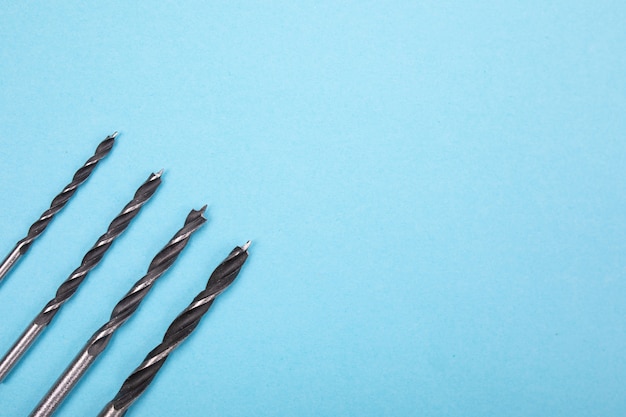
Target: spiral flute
x: 71, y: 284
x: 178, y: 331
x: 121, y: 313
x: 57, y: 204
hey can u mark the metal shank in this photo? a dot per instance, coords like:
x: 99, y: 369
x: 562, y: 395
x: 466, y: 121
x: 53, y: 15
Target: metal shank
x: 65, y: 384
x: 28, y: 337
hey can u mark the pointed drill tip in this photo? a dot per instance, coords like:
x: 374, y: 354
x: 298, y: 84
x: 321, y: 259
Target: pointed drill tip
x: 201, y: 211
x: 246, y: 246
x: 114, y: 135
x: 158, y: 174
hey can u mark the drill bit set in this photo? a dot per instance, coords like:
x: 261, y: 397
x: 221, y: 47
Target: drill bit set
x: 177, y: 332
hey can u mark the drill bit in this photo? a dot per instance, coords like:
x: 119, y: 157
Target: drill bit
x: 57, y: 204
x: 121, y: 313
x: 71, y: 284
x: 178, y: 331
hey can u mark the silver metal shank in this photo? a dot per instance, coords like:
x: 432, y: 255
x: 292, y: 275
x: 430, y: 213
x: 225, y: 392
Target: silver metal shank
x: 19, y: 348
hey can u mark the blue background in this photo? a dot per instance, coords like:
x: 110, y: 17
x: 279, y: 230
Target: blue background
x: 435, y: 191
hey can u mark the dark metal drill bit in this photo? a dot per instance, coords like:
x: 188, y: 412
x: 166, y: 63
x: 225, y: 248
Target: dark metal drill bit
x: 178, y: 331
x: 121, y: 313
x: 71, y: 284
x: 57, y: 204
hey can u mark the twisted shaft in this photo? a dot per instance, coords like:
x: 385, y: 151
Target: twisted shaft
x: 69, y: 287
x: 57, y: 204
x: 121, y: 313
x: 177, y: 332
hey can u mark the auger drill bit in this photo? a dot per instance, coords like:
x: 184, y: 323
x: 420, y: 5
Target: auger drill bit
x: 178, y: 331
x: 57, y: 204
x: 71, y: 284
x: 121, y: 313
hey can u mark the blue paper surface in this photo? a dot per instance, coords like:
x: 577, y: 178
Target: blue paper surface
x: 435, y: 193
